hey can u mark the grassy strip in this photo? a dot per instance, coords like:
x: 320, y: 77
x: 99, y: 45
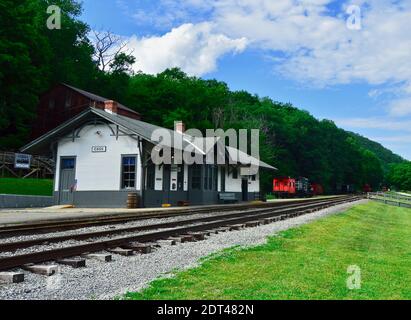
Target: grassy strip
x: 38, y: 187
x: 309, y: 262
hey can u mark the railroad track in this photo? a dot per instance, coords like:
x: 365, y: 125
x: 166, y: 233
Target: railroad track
x: 55, y: 226
x: 181, y: 231
x: 11, y: 246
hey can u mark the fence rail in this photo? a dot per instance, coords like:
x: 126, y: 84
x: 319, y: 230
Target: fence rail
x: 390, y: 199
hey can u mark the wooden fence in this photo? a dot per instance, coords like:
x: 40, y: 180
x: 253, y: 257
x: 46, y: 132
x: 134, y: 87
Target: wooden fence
x: 391, y: 199
x: 40, y: 167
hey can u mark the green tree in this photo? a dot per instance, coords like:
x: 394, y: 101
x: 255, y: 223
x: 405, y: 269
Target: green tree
x: 399, y: 176
x: 33, y: 58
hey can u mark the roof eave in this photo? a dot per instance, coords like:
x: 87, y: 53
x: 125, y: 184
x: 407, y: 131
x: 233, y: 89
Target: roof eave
x: 54, y: 131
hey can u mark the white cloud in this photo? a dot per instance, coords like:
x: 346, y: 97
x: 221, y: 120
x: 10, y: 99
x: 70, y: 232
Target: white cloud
x: 393, y: 139
x: 193, y: 48
x: 395, y: 133
x: 375, y: 123
x: 317, y: 44
x: 400, y: 107
x: 308, y: 43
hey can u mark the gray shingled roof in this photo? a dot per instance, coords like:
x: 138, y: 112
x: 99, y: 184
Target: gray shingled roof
x: 144, y: 130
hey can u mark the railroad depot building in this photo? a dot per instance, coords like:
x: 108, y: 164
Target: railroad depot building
x: 103, y: 154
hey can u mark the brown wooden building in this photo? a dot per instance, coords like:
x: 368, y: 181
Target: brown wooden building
x: 63, y: 102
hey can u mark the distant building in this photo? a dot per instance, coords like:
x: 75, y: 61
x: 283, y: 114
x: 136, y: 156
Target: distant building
x: 103, y: 153
x: 63, y: 102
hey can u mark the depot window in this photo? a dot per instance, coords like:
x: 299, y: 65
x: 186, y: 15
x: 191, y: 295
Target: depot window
x: 128, y: 172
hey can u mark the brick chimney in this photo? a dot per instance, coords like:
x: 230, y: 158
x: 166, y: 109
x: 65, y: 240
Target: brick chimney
x: 179, y: 126
x: 111, y: 106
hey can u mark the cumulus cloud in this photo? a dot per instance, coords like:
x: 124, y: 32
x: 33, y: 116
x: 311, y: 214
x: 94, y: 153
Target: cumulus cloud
x: 375, y: 123
x: 318, y: 46
x: 315, y: 44
x: 193, y: 48
x: 400, y: 107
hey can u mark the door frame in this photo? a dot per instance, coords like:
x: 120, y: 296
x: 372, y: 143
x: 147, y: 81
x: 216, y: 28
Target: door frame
x: 60, y: 171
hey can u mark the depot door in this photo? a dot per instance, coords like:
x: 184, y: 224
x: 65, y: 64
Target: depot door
x: 67, y: 180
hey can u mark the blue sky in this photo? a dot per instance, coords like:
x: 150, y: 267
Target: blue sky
x: 357, y: 73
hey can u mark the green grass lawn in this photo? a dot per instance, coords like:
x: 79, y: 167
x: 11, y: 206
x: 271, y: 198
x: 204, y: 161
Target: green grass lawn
x: 309, y: 262
x: 38, y: 187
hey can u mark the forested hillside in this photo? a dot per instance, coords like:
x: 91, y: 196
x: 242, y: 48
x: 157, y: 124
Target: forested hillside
x: 383, y: 154
x: 33, y: 58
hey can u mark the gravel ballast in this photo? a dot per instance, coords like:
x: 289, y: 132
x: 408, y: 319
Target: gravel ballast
x: 107, y: 280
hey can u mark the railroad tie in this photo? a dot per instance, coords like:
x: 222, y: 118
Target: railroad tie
x: 140, y: 247
x: 43, y: 269
x: 252, y: 224
x: 237, y: 227
x: 121, y: 251
x: 197, y: 235
x: 187, y: 238
x: 73, y: 262
x: 266, y: 221
x: 98, y: 256
x: 166, y: 242
x: 11, y: 277
x: 153, y: 244
x: 175, y: 239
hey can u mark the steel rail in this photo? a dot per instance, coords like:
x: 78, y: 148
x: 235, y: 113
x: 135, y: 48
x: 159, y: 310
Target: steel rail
x: 11, y: 246
x: 45, y: 227
x: 8, y: 263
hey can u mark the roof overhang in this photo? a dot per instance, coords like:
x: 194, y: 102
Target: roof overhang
x: 41, y: 145
x: 137, y: 128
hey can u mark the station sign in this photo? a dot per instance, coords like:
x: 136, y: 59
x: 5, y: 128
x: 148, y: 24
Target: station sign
x: 98, y: 149
x: 22, y: 161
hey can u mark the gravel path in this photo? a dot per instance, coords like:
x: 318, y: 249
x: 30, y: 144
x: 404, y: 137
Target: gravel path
x: 108, y: 280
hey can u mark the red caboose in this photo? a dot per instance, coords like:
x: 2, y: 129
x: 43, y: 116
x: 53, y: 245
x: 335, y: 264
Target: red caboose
x: 284, y: 187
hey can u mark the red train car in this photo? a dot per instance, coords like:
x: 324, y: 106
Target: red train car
x: 284, y: 187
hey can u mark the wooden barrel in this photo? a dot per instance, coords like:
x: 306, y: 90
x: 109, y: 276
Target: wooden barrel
x: 132, y: 201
